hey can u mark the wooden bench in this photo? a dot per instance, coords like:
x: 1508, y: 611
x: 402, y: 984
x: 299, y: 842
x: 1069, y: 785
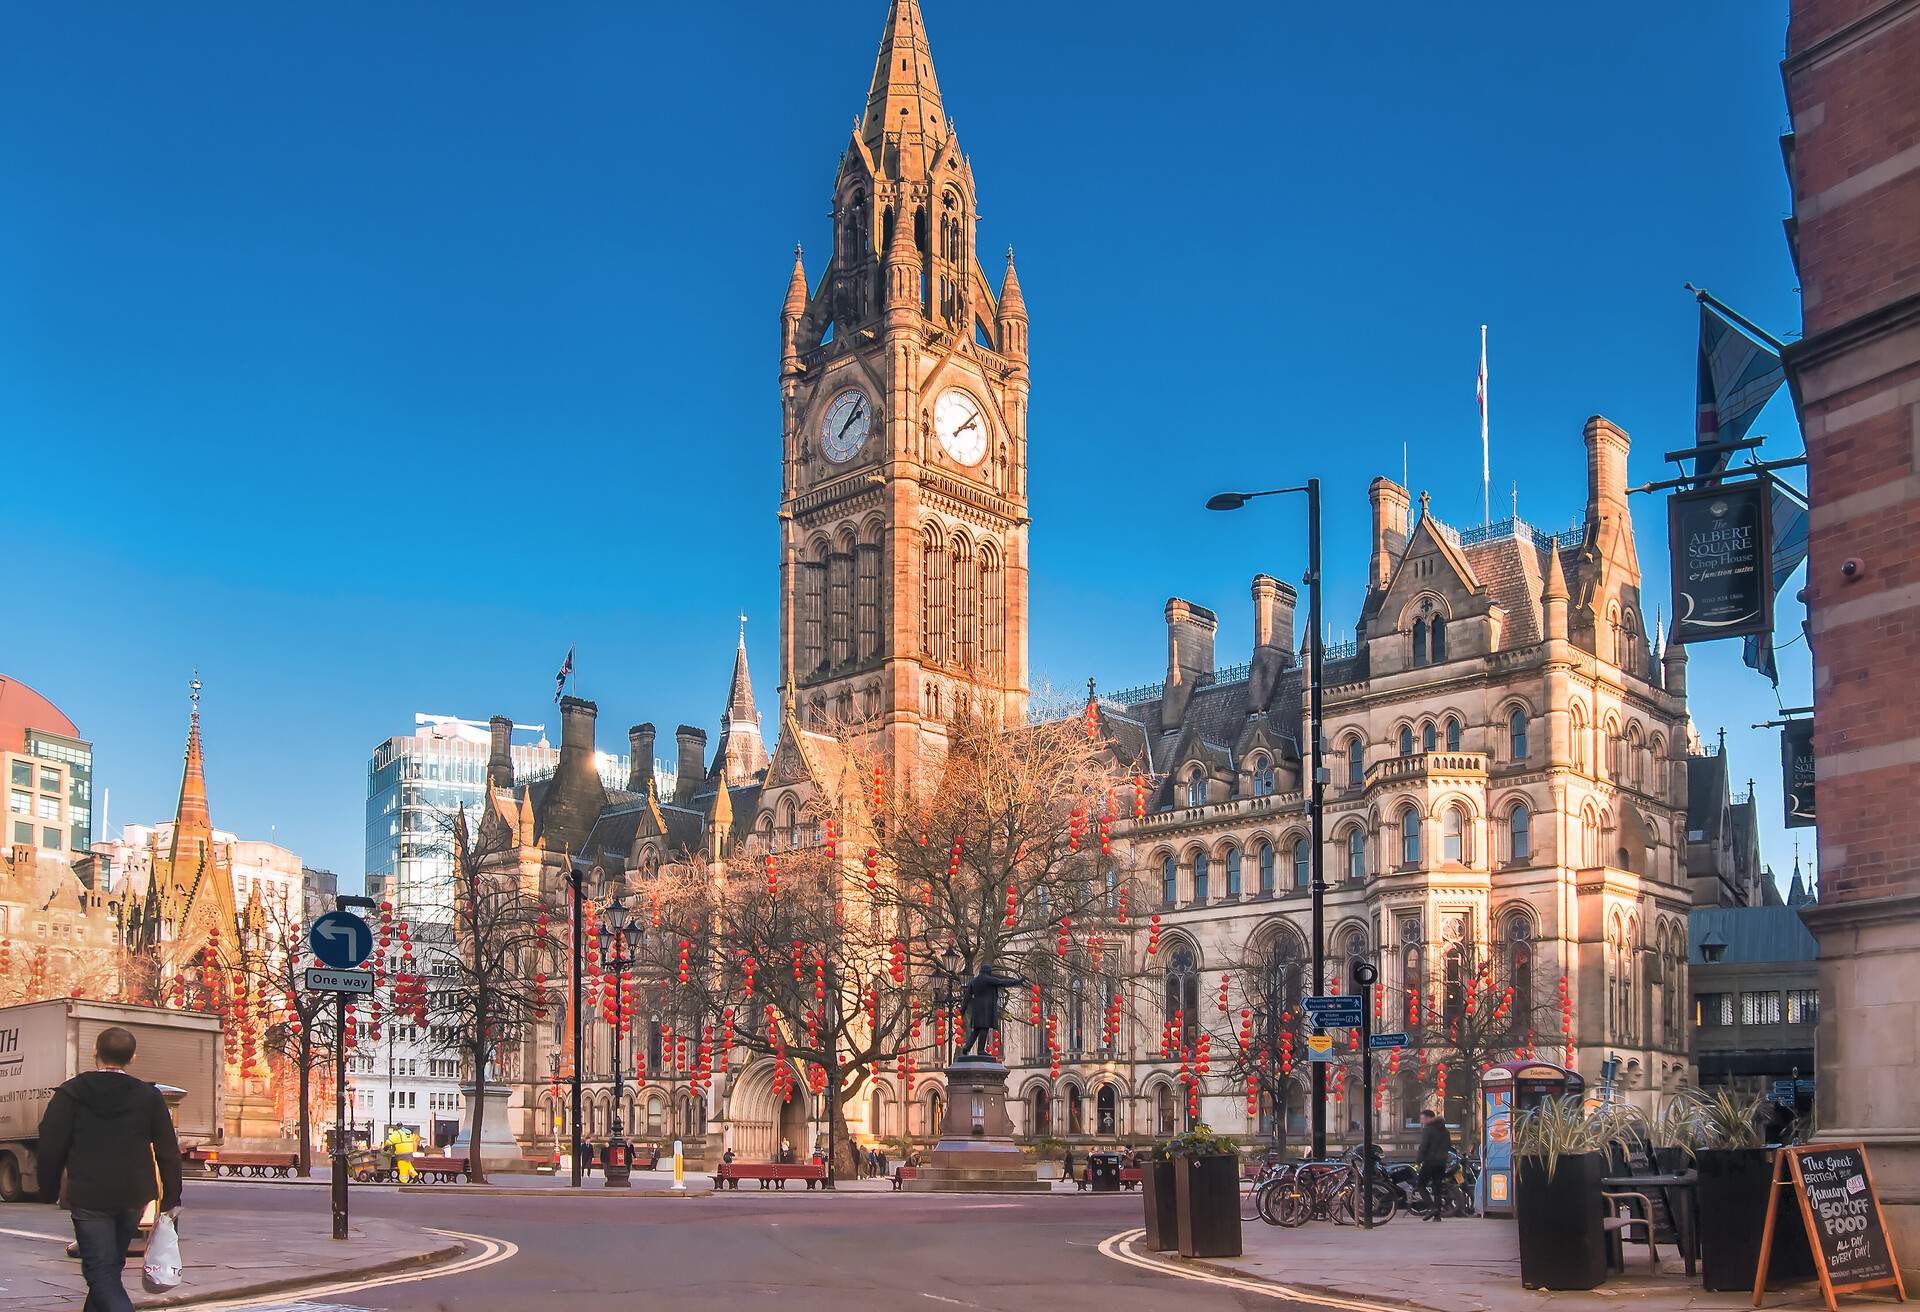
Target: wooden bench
x: 771, y: 1175
x: 447, y: 1170
x: 255, y: 1165
x: 902, y: 1174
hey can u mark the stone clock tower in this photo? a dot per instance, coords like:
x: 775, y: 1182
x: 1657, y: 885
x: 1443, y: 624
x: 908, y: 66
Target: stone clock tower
x: 903, y: 384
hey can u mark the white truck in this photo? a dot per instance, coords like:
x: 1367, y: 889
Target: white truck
x: 45, y: 1044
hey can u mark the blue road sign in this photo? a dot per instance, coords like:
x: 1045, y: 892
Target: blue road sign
x: 341, y: 940
x: 1386, y: 1040
x: 1333, y: 1010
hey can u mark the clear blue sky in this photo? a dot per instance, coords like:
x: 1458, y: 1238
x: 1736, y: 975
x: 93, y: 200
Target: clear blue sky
x: 367, y: 356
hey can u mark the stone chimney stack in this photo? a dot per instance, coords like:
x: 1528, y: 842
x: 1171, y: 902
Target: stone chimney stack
x: 576, y: 725
x: 639, y: 757
x: 1190, y: 630
x: 692, y: 766
x: 1390, y: 504
x: 1606, y: 469
x: 500, y: 752
x: 1273, y: 607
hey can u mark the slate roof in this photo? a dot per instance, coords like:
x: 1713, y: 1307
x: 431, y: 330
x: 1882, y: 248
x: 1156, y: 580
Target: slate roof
x: 1752, y: 935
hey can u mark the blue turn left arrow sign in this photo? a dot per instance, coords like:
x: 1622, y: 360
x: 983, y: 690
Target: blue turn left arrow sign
x: 341, y: 940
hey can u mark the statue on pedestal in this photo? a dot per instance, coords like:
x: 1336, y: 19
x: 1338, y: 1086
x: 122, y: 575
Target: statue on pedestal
x: 981, y: 999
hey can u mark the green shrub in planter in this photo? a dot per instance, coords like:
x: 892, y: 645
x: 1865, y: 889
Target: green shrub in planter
x: 1206, y: 1177
x: 1560, y: 1156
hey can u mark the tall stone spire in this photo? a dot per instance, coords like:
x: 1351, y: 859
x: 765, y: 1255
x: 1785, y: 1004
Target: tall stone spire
x: 190, y: 899
x: 742, y: 754
x: 905, y: 123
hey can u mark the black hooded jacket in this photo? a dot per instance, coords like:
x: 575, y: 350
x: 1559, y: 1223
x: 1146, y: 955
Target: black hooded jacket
x: 108, y: 1130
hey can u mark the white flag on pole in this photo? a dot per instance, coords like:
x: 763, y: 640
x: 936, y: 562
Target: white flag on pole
x: 1486, y: 465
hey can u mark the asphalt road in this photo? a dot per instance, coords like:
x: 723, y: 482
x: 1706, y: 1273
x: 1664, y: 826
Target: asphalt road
x: 792, y: 1250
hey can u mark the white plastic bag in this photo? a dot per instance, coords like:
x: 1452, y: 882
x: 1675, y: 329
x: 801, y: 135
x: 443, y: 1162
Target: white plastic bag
x: 162, y: 1269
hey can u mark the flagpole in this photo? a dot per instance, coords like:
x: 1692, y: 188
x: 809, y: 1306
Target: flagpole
x: 1486, y: 466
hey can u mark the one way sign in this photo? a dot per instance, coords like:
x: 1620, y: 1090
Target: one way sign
x: 341, y: 940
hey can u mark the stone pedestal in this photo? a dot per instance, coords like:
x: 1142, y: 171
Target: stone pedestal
x: 976, y: 1153
x: 499, y: 1150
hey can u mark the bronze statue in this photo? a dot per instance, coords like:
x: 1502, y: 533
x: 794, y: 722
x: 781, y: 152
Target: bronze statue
x: 981, y: 999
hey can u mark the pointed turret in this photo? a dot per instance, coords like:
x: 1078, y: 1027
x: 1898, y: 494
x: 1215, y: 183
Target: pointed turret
x: 1013, y: 314
x: 1800, y: 891
x: 1554, y: 597
x: 903, y: 270
x: 905, y: 123
x: 720, y: 824
x: 792, y: 314
x: 194, y: 891
x: 742, y: 754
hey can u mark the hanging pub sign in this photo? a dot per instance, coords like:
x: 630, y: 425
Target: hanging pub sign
x: 1721, y: 548
x: 1796, y: 772
x: 1833, y: 1186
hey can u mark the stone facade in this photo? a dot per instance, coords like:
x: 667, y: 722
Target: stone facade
x: 1508, y: 749
x: 1855, y: 230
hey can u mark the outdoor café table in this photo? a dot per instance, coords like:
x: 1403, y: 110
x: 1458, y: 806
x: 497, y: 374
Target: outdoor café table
x: 1682, y: 1214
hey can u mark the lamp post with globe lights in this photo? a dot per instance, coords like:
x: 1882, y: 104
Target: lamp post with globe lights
x: 1317, y: 779
x: 619, y: 940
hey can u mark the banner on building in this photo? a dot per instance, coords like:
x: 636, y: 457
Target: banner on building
x: 1796, y: 772
x: 1721, y: 557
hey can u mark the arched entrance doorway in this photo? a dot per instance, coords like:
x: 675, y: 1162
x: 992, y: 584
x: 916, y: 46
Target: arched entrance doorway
x: 759, y: 1124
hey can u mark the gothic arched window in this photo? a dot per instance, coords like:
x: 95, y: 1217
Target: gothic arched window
x: 1520, y: 834
x: 813, y: 608
x: 1262, y: 776
x: 1519, y: 963
x: 1437, y: 640
x: 1233, y: 872
x: 840, y: 604
x: 1409, y: 837
x: 1182, y: 993
x: 1356, y: 762
x: 1200, y: 874
x: 1303, y: 865
x: 1517, y: 735
x: 866, y: 600
x: 1453, y: 734
x: 935, y: 596
x: 1406, y: 740
x: 1453, y: 836
x: 1429, y: 737
x: 1356, y: 853
x: 1197, y: 787
x: 1266, y: 869
x: 964, y: 648
x: 1419, y: 642
x: 1169, y: 880
x: 993, y: 612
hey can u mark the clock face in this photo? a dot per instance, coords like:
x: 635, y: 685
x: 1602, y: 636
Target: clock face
x: 961, y: 426
x: 848, y: 421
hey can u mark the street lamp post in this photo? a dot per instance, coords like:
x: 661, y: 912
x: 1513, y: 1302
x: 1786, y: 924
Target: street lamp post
x: 1317, y: 779
x: 619, y: 943
x: 950, y: 964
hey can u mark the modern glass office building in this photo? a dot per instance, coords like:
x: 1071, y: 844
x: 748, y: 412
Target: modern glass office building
x: 415, y: 788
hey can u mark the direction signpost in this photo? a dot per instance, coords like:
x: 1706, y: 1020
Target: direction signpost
x: 341, y: 941
x: 1386, y: 1041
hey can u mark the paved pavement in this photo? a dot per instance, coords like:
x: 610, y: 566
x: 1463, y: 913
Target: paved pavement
x: 228, y: 1250
x: 1464, y: 1265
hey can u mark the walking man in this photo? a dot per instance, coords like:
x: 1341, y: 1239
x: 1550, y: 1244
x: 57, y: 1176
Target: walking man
x: 1436, y: 1149
x: 112, y: 1137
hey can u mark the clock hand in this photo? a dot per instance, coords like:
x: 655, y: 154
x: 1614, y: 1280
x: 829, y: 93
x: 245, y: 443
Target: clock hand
x: 849, y: 424
x: 964, y: 427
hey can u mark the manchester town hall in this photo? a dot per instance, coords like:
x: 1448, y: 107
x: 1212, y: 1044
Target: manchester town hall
x: 1507, y: 751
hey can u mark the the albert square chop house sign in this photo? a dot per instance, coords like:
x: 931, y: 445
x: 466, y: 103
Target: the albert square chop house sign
x: 1721, y: 547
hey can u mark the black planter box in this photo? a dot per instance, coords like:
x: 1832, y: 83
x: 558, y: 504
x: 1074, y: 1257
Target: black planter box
x: 1562, y: 1243
x: 1156, y: 1190
x: 1733, y: 1210
x: 1207, y: 1205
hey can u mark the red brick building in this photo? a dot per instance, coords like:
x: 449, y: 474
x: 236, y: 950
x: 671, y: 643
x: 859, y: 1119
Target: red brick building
x: 1852, y: 75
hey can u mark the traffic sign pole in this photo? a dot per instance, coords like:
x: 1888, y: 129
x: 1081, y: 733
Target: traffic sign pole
x: 1364, y: 976
x: 342, y: 941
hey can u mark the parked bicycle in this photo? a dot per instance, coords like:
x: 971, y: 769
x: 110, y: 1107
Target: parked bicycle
x: 1325, y: 1191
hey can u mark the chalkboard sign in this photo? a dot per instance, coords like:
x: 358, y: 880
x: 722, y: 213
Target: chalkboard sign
x: 1841, y: 1209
